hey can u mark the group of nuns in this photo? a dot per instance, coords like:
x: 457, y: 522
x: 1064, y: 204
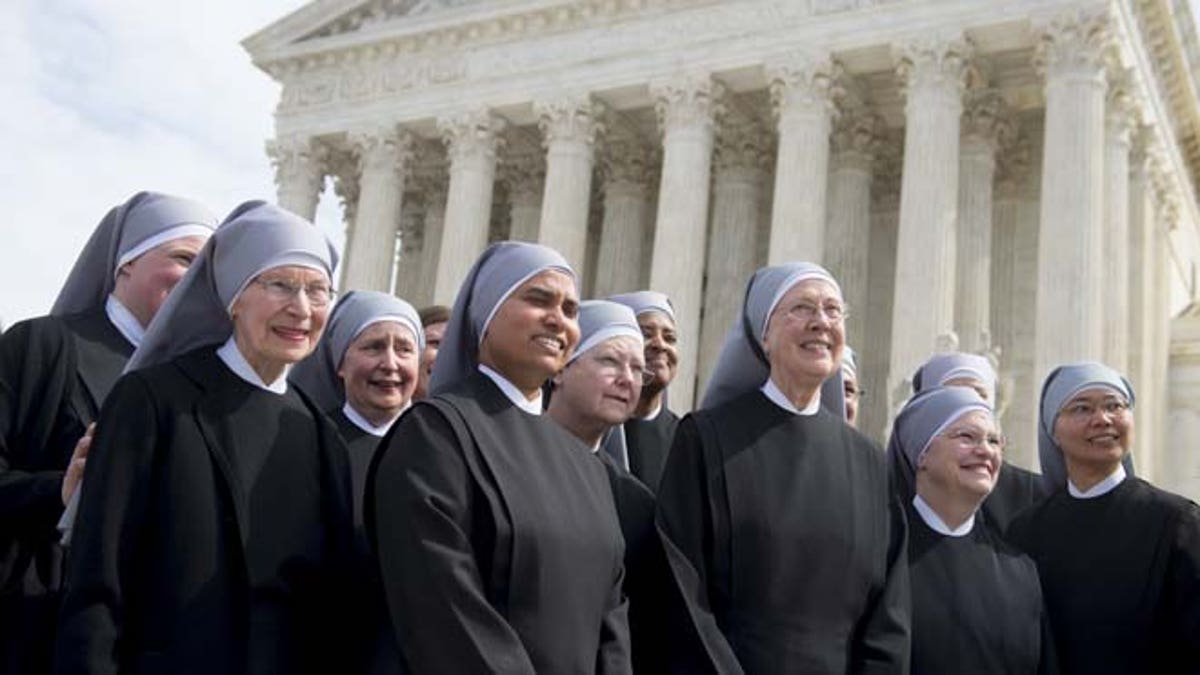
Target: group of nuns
x: 211, y: 463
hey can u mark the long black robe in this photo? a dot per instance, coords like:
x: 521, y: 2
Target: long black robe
x: 976, y: 605
x: 786, y: 543
x: 648, y: 442
x: 214, y: 532
x: 54, y: 375
x: 1121, y: 576
x: 1016, y: 490
x: 498, y: 541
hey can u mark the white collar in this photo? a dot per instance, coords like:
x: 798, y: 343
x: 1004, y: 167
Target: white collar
x: 232, y: 356
x: 125, y: 322
x: 935, y: 522
x: 653, y: 413
x: 773, y: 392
x: 365, y: 424
x: 510, y: 390
x: 1102, y: 488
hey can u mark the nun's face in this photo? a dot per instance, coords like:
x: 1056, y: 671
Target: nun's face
x: 1094, y: 428
x: 274, y: 327
x: 852, y: 392
x: 662, y: 355
x: 144, y: 282
x: 434, y: 333
x: 965, y: 458
x: 534, y: 331
x: 802, y: 342
x: 602, y: 386
x: 379, y: 370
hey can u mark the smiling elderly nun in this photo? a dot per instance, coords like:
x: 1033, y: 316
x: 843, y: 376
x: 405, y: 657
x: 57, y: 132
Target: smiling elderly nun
x: 1119, y: 559
x: 214, y: 531
x: 55, y: 372
x: 775, y: 513
x: 494, y: 527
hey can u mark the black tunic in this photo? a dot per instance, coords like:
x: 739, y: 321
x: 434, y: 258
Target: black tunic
x: 786, y: 543
x: 498, y: 541
x: 54, y: 375
x: 1016, y: 490
x: 214, y: 532
x: 976, y: 605
x: 360, y: 448
x: 1121, y: 576
x: 648, y: 442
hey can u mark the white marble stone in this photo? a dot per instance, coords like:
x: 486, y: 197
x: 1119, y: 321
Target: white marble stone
x: 847, y: 238
x: 1114, y: 256
x: 627, y: 175
x: 569, y: 126
x: 383, y: 155
x: 299, y: 163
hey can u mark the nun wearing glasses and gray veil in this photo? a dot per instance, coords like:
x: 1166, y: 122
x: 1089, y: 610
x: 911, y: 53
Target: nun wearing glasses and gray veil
x: 494, y: 528
x: 214, y: 531
x: 776, y: 515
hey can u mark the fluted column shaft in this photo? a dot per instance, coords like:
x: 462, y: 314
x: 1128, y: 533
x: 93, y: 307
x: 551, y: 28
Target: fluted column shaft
x: 525, y: 176
x: 685, y: 109
x: 569, y: 130
x: 1141, y: 283
x: 431, y: 242
x: 383, y: 156
x: 626, y: 211
x: 801, y: 92
x: 847, y: 240
x: 471, y: 141
x: 925, y: 256
x: 299, y: 163
x: 1115, y: 240
x: 1069, y: 320
x: 408, y: 262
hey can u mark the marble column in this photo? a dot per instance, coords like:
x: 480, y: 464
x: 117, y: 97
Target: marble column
x: 1119, y: 123
x: 626, y: 173
x: 471, y: 142
x: 738, y: 182
x: 407, y: 278
x: 847, y: 240
x: 299, y: 163
x: 985, y: 128
x: 434, y: 194
x: 686, y: 107
x: 525, y: 175
x: 1069, y: 324
x: 569, y: 127
x: 383, y: 156
x: 1181, y: 472
x: 874, y: 346
x: 1141, y: 280
x: 933, y: 77
x: 344, y: 168
x: 802, y: 93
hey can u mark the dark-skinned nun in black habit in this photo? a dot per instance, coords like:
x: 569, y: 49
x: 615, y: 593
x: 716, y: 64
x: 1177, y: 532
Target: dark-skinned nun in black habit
x: 214, y: 532
x: 775, y: 514
x: 1119, y: 559
x: 1016, y: 489
x: 496, y: 535
x: 55, y: 372
x: 592, y: 396
x: 976, y: 601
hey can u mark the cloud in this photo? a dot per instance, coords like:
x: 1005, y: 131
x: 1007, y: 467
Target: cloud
x: 106, y: 98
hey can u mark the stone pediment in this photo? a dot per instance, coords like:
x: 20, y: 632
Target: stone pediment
x: 379, y: 12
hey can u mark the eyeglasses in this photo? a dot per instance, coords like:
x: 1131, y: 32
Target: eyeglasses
x: 614, y: 367
x: 807, y: 311
x: 1083, y: 410
x: 319, y: 294
x: 968, y: 439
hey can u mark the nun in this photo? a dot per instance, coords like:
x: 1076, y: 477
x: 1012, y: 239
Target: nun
x: 649, y: 431
x: 853, y: 392
x: 976, y: 602
x: 495, y: 530
x: 55, y: 372
x: 434, y: 318
x: 1119, y: 559
x: 775, y: 514
x: 1016, y: 489
x: 215, y: 531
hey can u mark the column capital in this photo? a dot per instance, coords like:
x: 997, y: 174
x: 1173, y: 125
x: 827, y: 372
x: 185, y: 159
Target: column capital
x: 1122, y: 113
x: 804, y: 82
x: 856, y: 137
x: 298, y: 158
x: 570, y: 118
x: 937, y: 62
x: 471, y: 133
x: 382, y: 148
x: 345, y: 172
x: 888, y: 167
x: 741, y: 143
x: 627, y: 159
x: 691, y: 100
x: 524, y: 173
x: 986, y: 119
x: 1077, y: 44
x: 1013, y: 162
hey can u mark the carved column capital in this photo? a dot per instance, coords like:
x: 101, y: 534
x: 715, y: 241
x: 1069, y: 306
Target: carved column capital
x: 690, y: 101
x: 1122, y: 114
x: 888, y: 167
x: 803, y: 81
x: 742, y: 143
x: 345, y: 172
x: 471, y: 133
x: 523, y: 174
x: 299, y: 161
x: 382, y: 149
x: 933, y: 62
x: 1074, y: 44
x: 1013, y: 162
x: 856, y: 136
x: 987, y: 120
x: 570, y: 118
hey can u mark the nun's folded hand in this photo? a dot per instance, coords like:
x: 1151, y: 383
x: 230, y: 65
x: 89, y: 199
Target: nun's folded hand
x: 74, y: 473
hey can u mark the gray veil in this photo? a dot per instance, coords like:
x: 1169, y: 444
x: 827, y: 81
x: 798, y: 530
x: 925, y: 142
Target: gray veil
x: 1061, y: 385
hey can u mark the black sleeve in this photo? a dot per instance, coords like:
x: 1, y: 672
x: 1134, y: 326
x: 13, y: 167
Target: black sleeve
x: 423, y: 503
x: 1182, y: 589
x: 614, y: 650
x: 883, y: 642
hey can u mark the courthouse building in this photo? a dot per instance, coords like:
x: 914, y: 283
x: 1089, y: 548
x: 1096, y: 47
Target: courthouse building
x: 1012, y: 177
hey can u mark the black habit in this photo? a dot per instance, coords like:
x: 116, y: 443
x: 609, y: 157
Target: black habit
x: 55, y: 373
x: 785, y: 542
x: 648, y: 442
x: 498, y: 541
x: 1121, y: 576
x: 214, y: 532
x: 1016, y: 490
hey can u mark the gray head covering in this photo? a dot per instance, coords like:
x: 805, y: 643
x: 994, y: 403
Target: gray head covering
x: 1061, y: 385
x: 742, y: 365
x: 849, y: 362
x: 646, y: 301
x: 600, y: 321
x: 499, y: 271
x: 925, y: 416
x: 941, y: 368
x: 147, y: 220
x: 354, y: 313
x: 255, y: 237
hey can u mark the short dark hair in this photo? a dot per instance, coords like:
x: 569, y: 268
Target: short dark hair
x: 434, y: 314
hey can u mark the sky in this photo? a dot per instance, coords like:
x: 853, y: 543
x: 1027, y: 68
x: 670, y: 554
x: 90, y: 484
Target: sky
x: 104, y: 98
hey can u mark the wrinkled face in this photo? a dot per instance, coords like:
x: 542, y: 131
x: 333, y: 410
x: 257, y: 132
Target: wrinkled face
x: 534, y: 331
x: 802, y: 340
x: 978, y: 386
x: 144, y: 282
x: 661, y: 352
x: 965, y: 458
x: 603, y: 384
x: 850, y: 385
x: 379, y: 370
x: 274, y: 329
x: 1094, y: 428
x: 434, y: 333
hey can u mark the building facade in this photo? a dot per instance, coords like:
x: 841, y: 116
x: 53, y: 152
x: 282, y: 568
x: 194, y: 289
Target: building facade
x: 1012, y: 178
